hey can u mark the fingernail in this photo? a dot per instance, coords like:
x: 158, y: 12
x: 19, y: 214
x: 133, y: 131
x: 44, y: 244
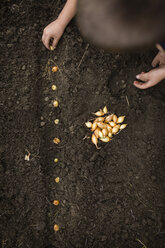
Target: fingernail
x: 137, y: 76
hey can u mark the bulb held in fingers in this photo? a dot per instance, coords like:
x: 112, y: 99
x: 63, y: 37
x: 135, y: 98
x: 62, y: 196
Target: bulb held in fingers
x: 51, y: 48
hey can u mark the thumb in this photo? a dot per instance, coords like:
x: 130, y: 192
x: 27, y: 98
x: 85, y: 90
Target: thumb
x: 143, y: 76
x: 55, y: 42
x: 159, y: 47
x: 143, y: 86
x: 156, y: 60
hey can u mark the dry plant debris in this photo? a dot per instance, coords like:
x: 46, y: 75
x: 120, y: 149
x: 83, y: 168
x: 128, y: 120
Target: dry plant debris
x: 104, y: 126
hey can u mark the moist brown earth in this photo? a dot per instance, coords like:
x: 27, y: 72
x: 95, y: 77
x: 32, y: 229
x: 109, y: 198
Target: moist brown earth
x: 110, y: 197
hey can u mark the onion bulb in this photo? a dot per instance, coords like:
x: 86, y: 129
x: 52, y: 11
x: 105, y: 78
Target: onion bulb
x: 100, y: 119
x: 96, y: 132
x: 105, y: 132
x: 108, y: 118
x: 101, y: 125
x: 112, y: 123
x: 56, y: 141
x: 99, y: 113
x: 56, y: 228
x: 95, y: 140
x: 57, y: 179
x: 120, y: 119
x: 105, y: 110
x: 106, y: 139
x: 94, y: 126
x: 55, y: 68
x: 115, y: 130
x: 56, y: 202
x: 55, y: 103
x: 123, y: 126
x: 54, y: 87
x: 115, y: 118
x: 88, y: 124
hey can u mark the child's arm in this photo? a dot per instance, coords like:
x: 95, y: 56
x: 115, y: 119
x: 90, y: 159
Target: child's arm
x: 150, y: 78
x: 156, y: 75
x: 56, y: 28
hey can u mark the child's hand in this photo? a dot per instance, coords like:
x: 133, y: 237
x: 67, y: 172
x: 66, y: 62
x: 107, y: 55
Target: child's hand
x: 160, y: 57
x: 150, y: 78
x: 53, y: 31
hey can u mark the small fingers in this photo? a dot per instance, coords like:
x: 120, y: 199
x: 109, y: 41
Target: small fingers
x: 55, y: 42
x: 156, y: 61
x: 47, y: 42
x: 143, y: 86
x: 159, y: 47
x: 143, y: 76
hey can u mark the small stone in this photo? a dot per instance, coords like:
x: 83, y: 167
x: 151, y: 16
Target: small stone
x: 153, y: 178
x: 9, y: 45
x: 46, y: 98
x: 71, y: 129
x: 23, y: 67
x: 42, y: 123
x: 100, y: 179
x: 103, y: 238
x: 94, y: 157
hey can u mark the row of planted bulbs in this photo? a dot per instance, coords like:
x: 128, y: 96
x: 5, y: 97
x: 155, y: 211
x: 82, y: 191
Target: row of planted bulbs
x: 56, y: 141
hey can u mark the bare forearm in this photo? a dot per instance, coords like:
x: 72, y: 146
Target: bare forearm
x: 68, y: 12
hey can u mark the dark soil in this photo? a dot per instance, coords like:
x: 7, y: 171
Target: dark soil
x: 109, y: 197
